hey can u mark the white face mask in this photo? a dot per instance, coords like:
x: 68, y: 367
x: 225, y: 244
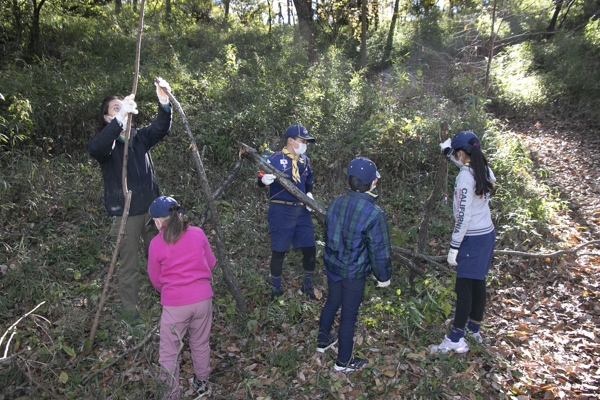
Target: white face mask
x: 301, y: 148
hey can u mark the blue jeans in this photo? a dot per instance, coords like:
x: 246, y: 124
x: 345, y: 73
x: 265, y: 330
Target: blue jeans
x: 347, y: 293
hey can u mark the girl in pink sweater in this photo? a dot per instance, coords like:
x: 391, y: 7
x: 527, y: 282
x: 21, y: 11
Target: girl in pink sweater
x: 180, y: 262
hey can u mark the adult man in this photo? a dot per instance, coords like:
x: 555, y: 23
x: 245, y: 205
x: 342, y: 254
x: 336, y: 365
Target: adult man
x: 107, y: 147
x: 289, y: 220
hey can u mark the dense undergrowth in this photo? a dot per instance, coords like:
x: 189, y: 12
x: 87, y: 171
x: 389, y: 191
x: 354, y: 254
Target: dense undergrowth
x: 245, y: 86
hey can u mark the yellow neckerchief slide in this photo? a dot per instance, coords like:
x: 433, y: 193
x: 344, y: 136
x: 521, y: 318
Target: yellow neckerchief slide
x: 295, y: 171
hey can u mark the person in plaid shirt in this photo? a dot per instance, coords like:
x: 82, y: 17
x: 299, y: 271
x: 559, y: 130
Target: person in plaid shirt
x: 356, y: 244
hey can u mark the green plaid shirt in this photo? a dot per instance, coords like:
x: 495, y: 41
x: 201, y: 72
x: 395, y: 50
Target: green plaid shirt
x: 356, y: 238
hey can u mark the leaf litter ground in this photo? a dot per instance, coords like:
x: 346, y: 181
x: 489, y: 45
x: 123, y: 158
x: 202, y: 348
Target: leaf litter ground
x: 541, y: 329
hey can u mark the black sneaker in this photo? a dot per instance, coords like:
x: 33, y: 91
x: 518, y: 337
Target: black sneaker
x: 309, y: 291
x: 275, y: 293
x: 322, y: 347
x: 352, y: 365
x: 200, y: 386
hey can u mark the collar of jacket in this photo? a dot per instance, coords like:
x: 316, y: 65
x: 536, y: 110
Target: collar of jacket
x: 366, y: 195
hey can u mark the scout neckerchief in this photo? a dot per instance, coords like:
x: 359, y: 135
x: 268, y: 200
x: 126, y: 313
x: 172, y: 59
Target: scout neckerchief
x: 295, y: 171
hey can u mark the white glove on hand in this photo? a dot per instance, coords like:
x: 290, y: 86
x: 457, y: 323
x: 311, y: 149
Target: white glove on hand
x: 446, y: 144
x: 161, y: 88
x: 452, y: 257
x: 309, y: 194
x: 383, y: 284
x: 128, y: 106
x: 267, y: 179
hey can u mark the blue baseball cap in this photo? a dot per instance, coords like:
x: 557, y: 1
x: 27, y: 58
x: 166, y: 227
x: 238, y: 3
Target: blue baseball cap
x: 163, y: 206
x: 364, y: 169
x: 465, y: 140
x: 298, y: 131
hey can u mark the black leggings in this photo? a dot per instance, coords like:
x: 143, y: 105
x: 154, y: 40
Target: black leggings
x: 470, y: 301
x: 309, y: 256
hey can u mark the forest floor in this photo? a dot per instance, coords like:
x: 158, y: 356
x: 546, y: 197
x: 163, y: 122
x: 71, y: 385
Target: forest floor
x: 542, y: 325
x: 545, y: 319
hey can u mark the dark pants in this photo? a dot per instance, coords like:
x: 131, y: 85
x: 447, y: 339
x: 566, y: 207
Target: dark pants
x: 347, y: 293
x: 470, y: 301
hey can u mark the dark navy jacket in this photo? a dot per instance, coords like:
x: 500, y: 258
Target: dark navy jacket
x: 284, y: 164
x: 106, y: 147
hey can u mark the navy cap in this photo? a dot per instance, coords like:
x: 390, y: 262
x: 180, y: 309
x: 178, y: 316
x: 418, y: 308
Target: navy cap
x: 465, y: 139
x: 298, y: 131
x: 163, y: 206
x: 364, y: 169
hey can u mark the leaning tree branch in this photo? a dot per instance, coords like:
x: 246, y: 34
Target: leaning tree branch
x: 228, y: 275
x: 236, y: 168
x: 252, y: 155
x: 283, y: 179
x: 433, y: 198
x: 547, y: 255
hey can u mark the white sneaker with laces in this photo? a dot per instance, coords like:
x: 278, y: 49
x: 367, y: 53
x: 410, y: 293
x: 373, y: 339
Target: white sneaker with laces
x: 448, y: 345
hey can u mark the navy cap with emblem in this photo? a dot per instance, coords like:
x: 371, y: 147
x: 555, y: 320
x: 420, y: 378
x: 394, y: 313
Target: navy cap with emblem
x: 364, y: 169
x: 298, y: 131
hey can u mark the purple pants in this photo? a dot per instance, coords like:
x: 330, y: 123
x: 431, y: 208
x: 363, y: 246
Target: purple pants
x: 196, y: 319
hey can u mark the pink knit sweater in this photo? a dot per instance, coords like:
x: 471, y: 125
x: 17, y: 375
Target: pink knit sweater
x: 181, y: 272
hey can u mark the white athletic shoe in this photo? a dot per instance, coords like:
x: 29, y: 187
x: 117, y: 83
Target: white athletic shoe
x: 476, y: 336
x: 448, y: 345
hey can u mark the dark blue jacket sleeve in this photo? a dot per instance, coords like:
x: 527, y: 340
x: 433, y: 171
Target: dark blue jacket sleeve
x: 101, y: 145
x: 159, y: 128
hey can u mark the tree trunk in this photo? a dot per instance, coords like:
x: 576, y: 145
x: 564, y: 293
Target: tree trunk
x: 226, y: 4
x: 305, y: 15
x: 118, y: 5
x: 486, y: 84
x: 363, y: 34
x: 386, y: 60
x: 550, y: 30
x: 270, y: 16
x: 168, y: 9
x: 18, y: 18
x: 431, y: 201
x: 34, y: 36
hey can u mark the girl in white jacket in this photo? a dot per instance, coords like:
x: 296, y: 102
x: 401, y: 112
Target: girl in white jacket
x: 473, y: 238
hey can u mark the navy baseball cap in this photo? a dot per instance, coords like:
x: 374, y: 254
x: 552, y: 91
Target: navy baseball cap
x: 163, y: 206
x: 298, y: 131
x: 465, y: 139
x: 364, y: 169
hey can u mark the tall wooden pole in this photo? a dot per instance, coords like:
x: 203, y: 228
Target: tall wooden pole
x: 90, y: 343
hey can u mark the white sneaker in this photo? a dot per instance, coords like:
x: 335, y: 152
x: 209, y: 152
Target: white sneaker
x: 448, y: 345
x: 476, y: 336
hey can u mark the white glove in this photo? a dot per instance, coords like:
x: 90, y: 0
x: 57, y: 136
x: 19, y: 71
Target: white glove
x: 267, y: 179
x: 383, y: 284
x: 162, y: 87
x: 128, y: 106
x: 310, y: 195
x: 452, y: 257
x: 446, y: 144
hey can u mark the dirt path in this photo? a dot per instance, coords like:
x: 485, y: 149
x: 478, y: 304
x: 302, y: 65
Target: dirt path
x: 545, y: 314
